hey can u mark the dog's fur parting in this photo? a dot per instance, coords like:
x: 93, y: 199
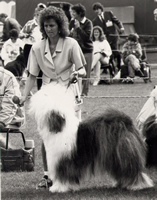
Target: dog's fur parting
x: 150, y: 133
x: 105, y: 143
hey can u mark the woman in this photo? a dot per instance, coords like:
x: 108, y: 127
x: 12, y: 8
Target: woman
x: 59, y: 58
x: 81, y: 29
x: 31, y: 34
x: 102, y: 52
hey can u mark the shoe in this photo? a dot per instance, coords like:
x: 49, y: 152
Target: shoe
x: 45, y: 183
x: 96, y: 82
x: 124, y: 80
x: 139, y: 73
x: 129, y: 80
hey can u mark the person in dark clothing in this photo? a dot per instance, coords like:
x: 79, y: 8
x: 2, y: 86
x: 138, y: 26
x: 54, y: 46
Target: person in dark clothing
x: 81, y: 30
x: 109, y: 23
x: 8, y: 25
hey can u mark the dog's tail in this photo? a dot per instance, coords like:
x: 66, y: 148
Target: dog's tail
x: 128, y: 157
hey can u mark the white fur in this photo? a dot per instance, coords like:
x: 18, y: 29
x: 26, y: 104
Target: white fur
x: 63, y: 142
x: 43, y: 100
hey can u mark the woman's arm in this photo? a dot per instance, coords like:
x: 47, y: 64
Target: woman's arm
x: 138, y: 51
x: 29, y: 85
x: 106, y: 48
x: 8, y: 108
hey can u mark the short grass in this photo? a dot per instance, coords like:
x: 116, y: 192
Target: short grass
x: 125, y: 97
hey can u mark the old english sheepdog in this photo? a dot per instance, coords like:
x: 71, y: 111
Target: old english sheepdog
x: 77, y: 150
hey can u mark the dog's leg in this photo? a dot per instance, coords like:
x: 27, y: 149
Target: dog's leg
x: 59, y: 187
x: 143, y: 181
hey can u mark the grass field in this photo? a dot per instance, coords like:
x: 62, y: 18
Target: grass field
x: 125, y: 97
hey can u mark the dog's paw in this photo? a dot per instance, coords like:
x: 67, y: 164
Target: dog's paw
x: 58, y: 188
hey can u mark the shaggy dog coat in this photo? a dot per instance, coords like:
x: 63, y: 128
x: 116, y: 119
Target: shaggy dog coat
x: 108, y: 143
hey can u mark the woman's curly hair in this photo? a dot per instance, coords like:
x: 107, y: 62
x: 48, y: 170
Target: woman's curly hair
x: 60, y: 18
x: 101, y: 36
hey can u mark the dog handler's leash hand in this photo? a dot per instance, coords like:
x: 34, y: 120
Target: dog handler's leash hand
x: 73, y: 78
x: 18, y: 101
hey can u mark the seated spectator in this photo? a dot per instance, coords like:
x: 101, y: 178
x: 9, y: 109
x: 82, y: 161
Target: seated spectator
x: 10, y: 113
x: 131, y: 53
x: 12, y: 47
x: 102, y: 52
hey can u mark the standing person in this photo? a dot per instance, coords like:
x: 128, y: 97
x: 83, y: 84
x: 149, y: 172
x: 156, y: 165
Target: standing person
x: 8, y: 24
x: 108, y: 22
x: 81, y: 29
x: 31, y: 30
x: 155, y: 14
x: 59, y: 58
x: 12, y: 47
x: 31, y: 34
x: 102, y: 52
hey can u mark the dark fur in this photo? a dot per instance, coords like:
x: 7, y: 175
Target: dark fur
x: 150, y: 132
x: 109, y: 141
x: 17, y: 66
x: 56, y: 122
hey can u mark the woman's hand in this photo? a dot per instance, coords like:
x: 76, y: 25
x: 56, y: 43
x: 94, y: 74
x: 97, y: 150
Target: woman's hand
x: 22, y: 100
x: 73, y: 77
x: 77, y: 23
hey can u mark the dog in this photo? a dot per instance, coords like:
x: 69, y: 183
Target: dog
x: 77, y: 150
x: 147, y: 123
x: 17, y: 66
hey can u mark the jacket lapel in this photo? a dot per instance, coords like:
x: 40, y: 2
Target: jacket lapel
x: 59, y: 47
x: 47, y: 53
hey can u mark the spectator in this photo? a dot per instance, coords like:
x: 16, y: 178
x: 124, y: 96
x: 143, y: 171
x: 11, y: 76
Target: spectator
x: 8, y: 25
x: 10, y: 113
x: 31, y: 34
x: 155, y: 14
x: 81, y: 30
x: 102, y: 52
x: 12, y: 47
x: 59, y: 57
x: 131, y: 53
x: 109, y: 23
x: 31, y: 30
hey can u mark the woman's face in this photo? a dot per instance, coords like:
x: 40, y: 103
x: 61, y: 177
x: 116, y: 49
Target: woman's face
x: 51, y: 28
x: 37, y: 17
x: 74, y: 14
x: 96, y: 34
